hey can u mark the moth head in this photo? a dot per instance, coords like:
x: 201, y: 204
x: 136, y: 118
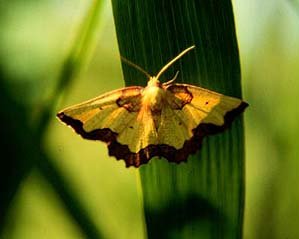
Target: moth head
x: 153, y: 82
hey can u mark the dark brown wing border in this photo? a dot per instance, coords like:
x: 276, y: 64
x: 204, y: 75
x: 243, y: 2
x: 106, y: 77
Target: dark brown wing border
x: 121, y: 151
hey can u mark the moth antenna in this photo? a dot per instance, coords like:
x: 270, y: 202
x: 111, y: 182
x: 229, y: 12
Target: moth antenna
x: 172, y: 80
x: 125, y: 60
x: 173, y: 60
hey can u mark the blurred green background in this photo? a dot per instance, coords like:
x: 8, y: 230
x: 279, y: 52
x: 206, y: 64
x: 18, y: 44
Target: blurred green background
x: 35, y: 39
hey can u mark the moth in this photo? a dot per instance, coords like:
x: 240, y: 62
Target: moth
x: 166, y: 120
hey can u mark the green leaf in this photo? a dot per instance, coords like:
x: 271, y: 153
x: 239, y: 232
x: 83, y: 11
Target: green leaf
x: 203, y: 198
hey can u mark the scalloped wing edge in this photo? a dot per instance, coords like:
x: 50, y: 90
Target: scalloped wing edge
x: 121, y: 151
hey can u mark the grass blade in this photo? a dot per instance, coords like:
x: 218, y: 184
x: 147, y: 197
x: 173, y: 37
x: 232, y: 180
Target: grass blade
x: 205, y: 197
x: 73, y: 63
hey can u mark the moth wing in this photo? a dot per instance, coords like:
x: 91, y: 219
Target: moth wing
x: 93, y: 119
x: 117, y: 118
x: 190, y: 114
x: 136, y: 143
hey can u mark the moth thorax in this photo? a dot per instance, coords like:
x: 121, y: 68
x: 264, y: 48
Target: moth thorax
x: 153, y: 97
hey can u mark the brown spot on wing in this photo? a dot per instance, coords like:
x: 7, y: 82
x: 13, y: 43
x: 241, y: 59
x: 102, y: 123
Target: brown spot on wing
x: 130, y: 103
x: 121, y: 151
x: 181, y: 96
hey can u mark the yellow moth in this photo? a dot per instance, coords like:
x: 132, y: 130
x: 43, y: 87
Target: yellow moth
x: 162, y: 119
